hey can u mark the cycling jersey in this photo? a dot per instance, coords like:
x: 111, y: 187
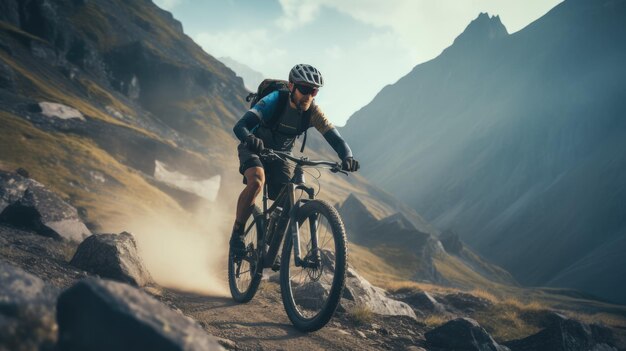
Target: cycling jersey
x: 281, y: 136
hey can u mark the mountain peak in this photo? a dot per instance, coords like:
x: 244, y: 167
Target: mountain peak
x: 482, y: 29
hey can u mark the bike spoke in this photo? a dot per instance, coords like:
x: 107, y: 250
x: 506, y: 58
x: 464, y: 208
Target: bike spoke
x: 310, y: 284
x: 245, y: 268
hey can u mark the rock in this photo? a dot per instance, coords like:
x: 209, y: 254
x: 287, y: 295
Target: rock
x: 566, y: 334
x: 26, y: 311
x: 364, y: 227
x: 462, y: 334
x: 313, y: 294
x: 465, y: 302
x: 359, y: 291
x: 51, y: 109
x: 112, y: 256
x: 27, y: 204
x: 97, y: 314
x: 205, y: 188
x: 422, y: 301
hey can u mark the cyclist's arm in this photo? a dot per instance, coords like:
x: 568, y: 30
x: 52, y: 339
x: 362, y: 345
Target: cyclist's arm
x: 246, y: 124
x: 330, y: 133
x: 251, y: 119
x: 340, y: 146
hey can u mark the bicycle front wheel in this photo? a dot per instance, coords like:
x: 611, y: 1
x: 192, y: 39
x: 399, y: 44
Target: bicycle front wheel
x: 311, y: 291
x: 245, y: 273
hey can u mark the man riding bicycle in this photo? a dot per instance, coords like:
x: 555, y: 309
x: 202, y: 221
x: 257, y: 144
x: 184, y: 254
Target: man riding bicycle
x: 290, y: 114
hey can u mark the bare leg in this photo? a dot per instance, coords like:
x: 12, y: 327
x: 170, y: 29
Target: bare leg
x: 255, y: 178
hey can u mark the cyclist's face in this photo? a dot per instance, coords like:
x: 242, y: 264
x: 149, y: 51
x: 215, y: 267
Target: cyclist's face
x: 302, y: 101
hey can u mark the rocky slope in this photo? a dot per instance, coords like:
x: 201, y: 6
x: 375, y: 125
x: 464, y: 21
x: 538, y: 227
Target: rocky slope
x: 144, y: 92
x: 49, y: 302
x: 515, y: 142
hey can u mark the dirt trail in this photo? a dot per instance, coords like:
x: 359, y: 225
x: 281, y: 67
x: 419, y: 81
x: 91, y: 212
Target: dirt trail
x: 262, y: 323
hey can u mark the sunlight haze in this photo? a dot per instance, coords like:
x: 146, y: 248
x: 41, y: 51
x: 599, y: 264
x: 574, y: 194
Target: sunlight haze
x: 359, y: 46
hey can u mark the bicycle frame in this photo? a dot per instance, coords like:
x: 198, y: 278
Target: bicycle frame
x: 287, y: 197
x: 279, y: 224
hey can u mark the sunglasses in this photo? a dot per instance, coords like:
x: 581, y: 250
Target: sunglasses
x: 307, y: 90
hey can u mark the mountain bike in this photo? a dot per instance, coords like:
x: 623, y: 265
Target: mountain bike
x: 313, y: 260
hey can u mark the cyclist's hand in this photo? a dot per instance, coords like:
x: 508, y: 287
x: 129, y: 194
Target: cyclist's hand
x: 254, y: 144
x: 350, y: 164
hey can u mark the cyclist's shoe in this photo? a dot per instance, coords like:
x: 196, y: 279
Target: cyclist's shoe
x: 276, y: 264
x: 237, y: 246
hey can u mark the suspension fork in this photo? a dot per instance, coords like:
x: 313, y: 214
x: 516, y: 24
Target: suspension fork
x: 293, y: 220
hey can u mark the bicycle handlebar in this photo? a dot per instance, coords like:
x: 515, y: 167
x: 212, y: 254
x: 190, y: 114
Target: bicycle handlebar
x: 335, y: 167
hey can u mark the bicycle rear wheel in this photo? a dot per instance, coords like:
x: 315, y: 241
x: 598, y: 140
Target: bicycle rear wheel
x: 244, y: 274
x: 311, y: 293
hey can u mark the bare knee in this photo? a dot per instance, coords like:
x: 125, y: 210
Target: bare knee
x: 255, y: 178
x: 255, y: 185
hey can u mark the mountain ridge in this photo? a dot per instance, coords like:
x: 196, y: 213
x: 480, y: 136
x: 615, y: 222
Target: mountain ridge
x: 499, y: 137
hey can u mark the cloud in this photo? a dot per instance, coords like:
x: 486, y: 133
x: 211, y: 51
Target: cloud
x: 425, y: 26
x: 256, y: 48
x: 297, y: 13
x: 167, y: 4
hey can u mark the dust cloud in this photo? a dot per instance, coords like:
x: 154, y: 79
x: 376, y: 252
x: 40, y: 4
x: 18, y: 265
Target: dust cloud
x: 186, y: 251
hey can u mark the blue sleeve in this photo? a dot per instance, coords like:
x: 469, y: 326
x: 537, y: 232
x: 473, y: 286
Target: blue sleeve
x: 337, y: 143
x: 246, y: 125
x: 264, y: 109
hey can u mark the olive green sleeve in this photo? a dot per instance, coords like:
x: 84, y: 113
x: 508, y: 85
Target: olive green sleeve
x: 319, y: 121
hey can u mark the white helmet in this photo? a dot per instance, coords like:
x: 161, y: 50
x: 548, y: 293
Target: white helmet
x: 307, y: 74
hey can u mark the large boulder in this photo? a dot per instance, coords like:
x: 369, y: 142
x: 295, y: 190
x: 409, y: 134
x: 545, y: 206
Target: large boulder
x: 27, y: 204
x: 465, y: 302
x: 564, y: 334
x: 97, y: 314
x: 360, y: 292
x: 112, y: 256
x: 462, y: 334
x: 422, y: 302
x: 26, y: 311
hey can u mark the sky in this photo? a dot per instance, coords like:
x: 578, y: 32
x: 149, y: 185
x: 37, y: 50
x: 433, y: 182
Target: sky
x: 360, y: 46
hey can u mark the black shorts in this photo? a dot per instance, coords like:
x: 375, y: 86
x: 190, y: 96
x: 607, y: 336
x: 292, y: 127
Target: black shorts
x: 277, y: 172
